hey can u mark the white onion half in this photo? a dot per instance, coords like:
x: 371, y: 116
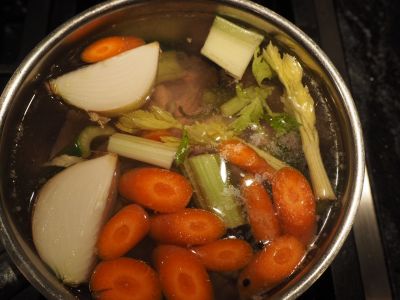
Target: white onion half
x: 69, y: 212
x: 112, y: 86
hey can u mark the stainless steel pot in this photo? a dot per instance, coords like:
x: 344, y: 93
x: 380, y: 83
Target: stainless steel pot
x: 114, y: 16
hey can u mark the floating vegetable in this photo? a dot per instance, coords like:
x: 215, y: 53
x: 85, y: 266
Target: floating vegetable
x: 120, y: 279
x: 295, y: 204
x: 247, y: 106
x: 271, y: 265
x: 142, y: 149
x: 225, y: 255
x: 209, y: 177
x: 186, y: 227
x: 158, y: 189
x: 210, y: 132
x: 122, y: 232
x: 153, y: 119
x: 183, y: 149
x: 112, y: 86
x: 109, y: 46
x: 299, y: 103
x: 68, y: 214
x: 182, y: 274
x: 244, y: 97
x: 260, y: 68
x: 87, y: 135
x: 245, y: 158
x: 156, y: 135
x: 260, y: 211
x: 269, y: 158
x: 282, y: 123
x: 231, y: 46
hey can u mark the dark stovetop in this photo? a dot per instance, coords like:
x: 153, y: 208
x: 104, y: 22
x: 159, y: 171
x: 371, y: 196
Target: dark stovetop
x: 367, y: 54
x: 372, y: 49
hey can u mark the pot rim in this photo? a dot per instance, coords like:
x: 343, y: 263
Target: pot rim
x: 11, y: 242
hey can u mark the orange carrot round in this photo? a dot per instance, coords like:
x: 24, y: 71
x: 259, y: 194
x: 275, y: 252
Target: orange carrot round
x: 271, y: 265
x: 245, y: 158
x: 181, y: 273
x: 260, y: 210
x: 125, y: 279
x: 187, y: 227
x: 109, y: 46
x: 295, y: 204
x: 122, y: 232
x: 224, y: 255
x: 158, y: 189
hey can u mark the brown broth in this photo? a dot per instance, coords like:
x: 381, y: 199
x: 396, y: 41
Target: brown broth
x: 48, y: 125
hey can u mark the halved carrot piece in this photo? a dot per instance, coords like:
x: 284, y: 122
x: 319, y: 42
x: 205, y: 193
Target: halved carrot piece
x: 245, y: 158
x: 155, y: 135
x: 260, y: 210
x: 123, y: 231
x: 225, y: 255
x: 155, y: 188
x: 295, y: 204
x: 182, y: 275
x: 187, y: 227
x: 271, y: 265
x: 125, y: 279
x: 109, y: 46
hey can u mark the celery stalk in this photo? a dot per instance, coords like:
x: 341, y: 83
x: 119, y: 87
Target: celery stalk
x: 231, y: 46
x: 145, y: 150
x: 298, y: 101
x: 234, y: 105
x: 209, y: 178
x: 89, y: 134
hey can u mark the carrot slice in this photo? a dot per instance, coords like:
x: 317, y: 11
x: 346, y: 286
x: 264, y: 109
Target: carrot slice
x: 245, y: 158
x: 271, y: 265
x: 125, y: 279
x: 224, y: 255
x: 295, y: 204
x: 260, y: 210
x: 122, y: 232
x: 189, y: 226
x: 182, y: 275
x: 158, y: 189
x: 155, y: 135
x: 109, y: 46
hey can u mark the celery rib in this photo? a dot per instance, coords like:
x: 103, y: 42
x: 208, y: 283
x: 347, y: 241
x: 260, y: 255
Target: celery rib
x: 145, y: 150
x: 209, y: 179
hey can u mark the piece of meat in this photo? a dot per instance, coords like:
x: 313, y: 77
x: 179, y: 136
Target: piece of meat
x: 183, y: 97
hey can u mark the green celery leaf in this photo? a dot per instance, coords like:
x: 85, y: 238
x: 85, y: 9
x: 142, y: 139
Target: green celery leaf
x: 250, y: 114
x: 260, y: 68
x: 209, y: 132
x: 282, y: 123
x: 251, y: 101
x: 154, y: 119
x: 183, y: 149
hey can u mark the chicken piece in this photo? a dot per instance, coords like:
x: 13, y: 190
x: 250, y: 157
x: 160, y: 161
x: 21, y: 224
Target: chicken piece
x: 183, y: 97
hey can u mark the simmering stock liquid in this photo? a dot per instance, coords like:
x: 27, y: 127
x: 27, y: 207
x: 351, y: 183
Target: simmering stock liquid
x: 48, y: 125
